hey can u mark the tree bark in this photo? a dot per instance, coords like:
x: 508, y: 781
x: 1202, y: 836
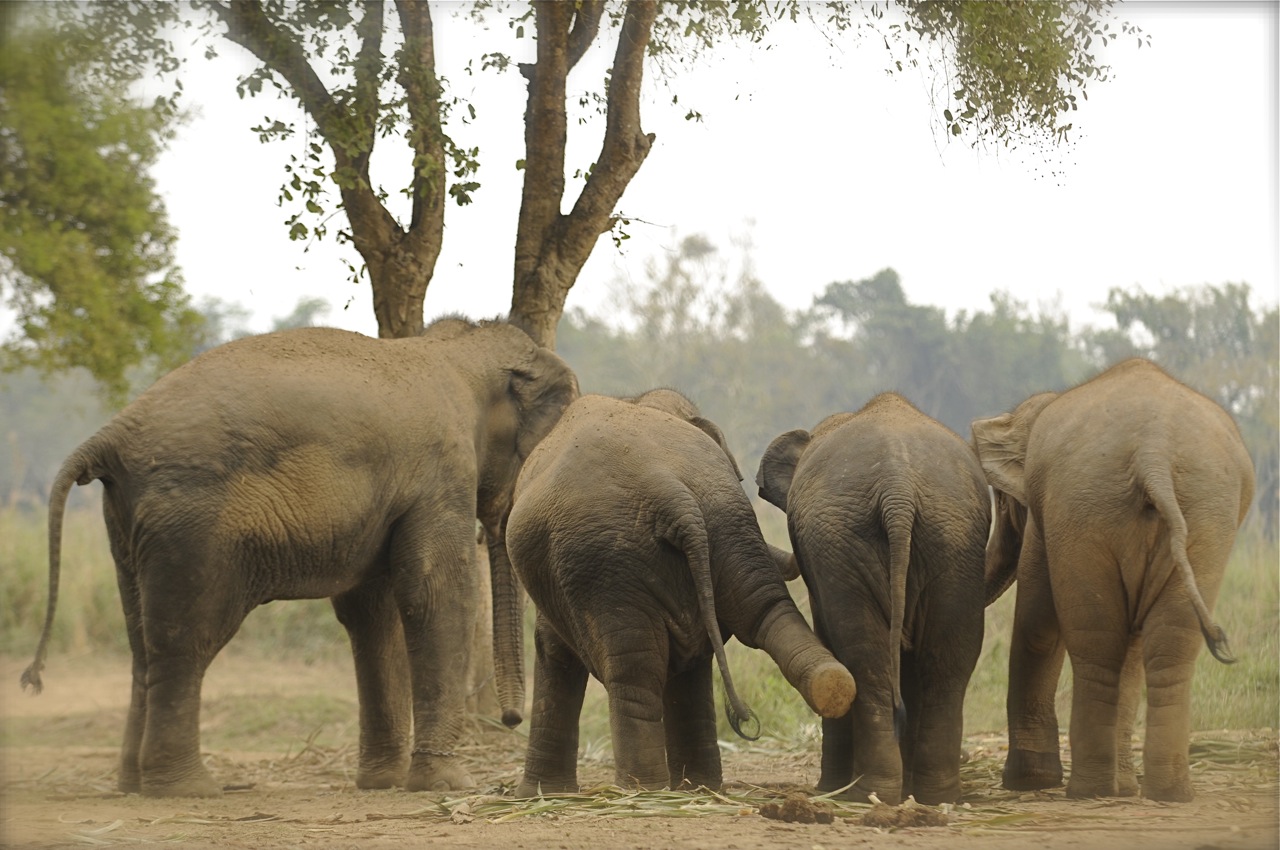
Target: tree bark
x: 552, y: 247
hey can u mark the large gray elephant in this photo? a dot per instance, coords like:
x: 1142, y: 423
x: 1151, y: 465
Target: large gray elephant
x: 319, y: 463
x: 633, y: 536
x: 1118, y: 504
x: 889, y: 514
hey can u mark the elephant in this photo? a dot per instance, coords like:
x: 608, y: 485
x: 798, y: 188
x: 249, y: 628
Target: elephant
x: 633, y: 536
x: 888, y: 514
x: 319, y: 463
x: 1118, y: 505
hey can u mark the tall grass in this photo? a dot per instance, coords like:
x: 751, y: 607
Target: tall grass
x: 1239, y: 696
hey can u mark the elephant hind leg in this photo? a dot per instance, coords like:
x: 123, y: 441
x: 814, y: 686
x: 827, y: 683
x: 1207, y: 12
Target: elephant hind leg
x: 372, y: 621
x: 186, y: 620
x: 689, y: 718
x: 130, y: 778
x: 1035, y: 664
x: 559, y: 685
x: 1130, y: 696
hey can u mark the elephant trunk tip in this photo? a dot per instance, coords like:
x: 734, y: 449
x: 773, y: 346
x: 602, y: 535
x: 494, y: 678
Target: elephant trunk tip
x: 832, y: 690
x: 1220, y: 648
x: 511, y: 718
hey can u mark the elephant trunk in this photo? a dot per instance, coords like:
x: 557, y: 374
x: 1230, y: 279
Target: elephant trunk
x: 824, y: 682
x: 508, y: 629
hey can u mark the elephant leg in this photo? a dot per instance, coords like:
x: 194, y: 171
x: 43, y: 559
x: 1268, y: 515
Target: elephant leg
x: 186, y: 620
x: 382, y: 680
x: 1035, y: 665
x: 130, y: 779
x: 635, y: 680
x: 559, y: 684
x: 1096, y: 630
x: 689, y: 717
x: 837, y: 753
x: 434, y: 580
x: 937, y: 677
x: 1126, y: 716
x: 1171, y: 642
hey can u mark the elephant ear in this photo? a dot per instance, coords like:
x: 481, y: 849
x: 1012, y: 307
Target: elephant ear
x: 542, y: 389
x: 1001, y: 444
x: 1002, y: 449
x: 778, y: 466
x: 713, y: 431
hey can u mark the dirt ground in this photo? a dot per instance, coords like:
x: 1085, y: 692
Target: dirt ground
x: 59, y: 776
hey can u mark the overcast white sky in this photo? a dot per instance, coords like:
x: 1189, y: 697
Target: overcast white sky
x: 830, y: 167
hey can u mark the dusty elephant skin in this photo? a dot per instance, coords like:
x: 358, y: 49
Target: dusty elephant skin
x: 888, y: 514
x: 308, y: 464
x: 632, y: 534
x: 1118, y: 504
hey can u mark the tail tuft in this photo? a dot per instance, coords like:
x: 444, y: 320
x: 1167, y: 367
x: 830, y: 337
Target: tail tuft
x: 737, y: 720
x: 1216, y: 639
x: 31, y: 677
x: 899, y: 720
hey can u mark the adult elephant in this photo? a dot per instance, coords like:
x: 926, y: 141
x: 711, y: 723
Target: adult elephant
x: 888, y: 514
x: 319, y: 463
x: 631, y: 533
x: 1119, y: 502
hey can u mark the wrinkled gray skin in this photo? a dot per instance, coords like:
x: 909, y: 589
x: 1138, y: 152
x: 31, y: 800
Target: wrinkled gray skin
x: 631, y: 533
x: 888, y: 514
x: 1118, y: 504
x: 319, y: 463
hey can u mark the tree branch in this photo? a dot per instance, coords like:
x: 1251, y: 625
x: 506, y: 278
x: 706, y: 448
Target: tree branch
x: 368, y: 68
x: 545, y: 134
x: 625, y: 144
x: 249, y: 26
x: 586, y: 25
x: 426, y: 135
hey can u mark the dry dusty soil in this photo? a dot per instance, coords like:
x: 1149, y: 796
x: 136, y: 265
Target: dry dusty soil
x: 59, y: 775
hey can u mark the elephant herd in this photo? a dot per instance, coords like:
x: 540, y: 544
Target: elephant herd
x: 318, y: 463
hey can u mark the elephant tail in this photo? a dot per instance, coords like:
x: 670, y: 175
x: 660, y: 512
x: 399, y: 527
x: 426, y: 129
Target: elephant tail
x: 76, y: 469
x: 688, y: 533
x: 898, y: 516
x: 1158, y: 483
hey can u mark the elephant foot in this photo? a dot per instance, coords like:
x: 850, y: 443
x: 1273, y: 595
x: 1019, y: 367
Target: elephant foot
x: 199, y: 785
x: 437, y: 774
x: 531, y: 788
x: 831, y: 690
x: 130, y: 781
x: 1086, y: 789
x: 937, y: 794
x: 380, y: 778
x: 1025, y: 770
x: 1127, y: 784
x: 1179, y: 792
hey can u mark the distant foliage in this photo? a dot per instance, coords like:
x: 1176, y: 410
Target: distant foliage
x: 758, y: 369
x: 86, y: 250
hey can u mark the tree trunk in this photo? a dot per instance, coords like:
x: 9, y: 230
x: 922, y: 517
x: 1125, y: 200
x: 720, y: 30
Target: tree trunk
x: 552, y: 247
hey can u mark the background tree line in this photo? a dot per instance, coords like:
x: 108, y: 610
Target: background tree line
x: 700, y: 321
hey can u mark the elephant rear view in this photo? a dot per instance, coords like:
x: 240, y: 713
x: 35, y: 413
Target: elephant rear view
x: 889, y: 514
x: 1118, y: 504
x: 633, y: 536
x: 319, y: 463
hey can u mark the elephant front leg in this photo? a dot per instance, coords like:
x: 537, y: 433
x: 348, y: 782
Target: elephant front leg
x: 689, y: 718
x: 434, y: 581
x: 559, y: 684
x: 1035, y: 664
x: 382, y: 680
